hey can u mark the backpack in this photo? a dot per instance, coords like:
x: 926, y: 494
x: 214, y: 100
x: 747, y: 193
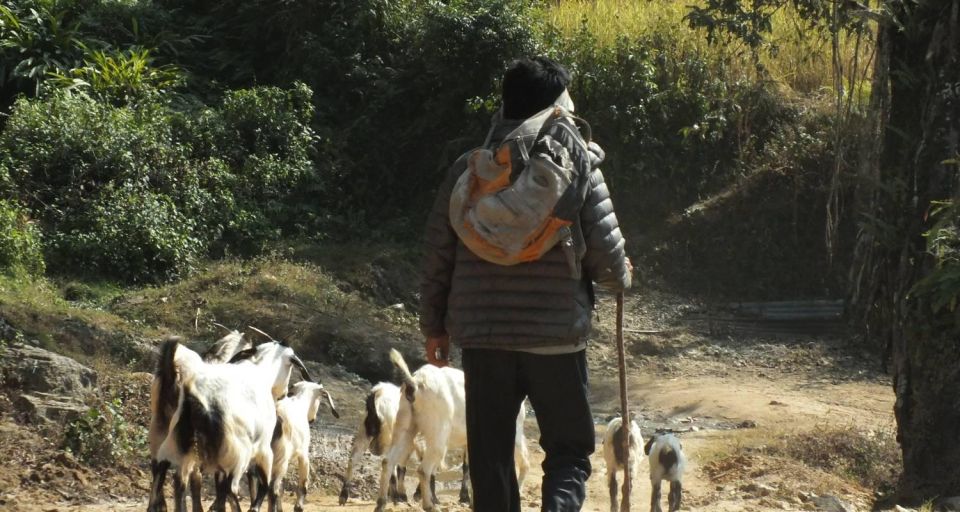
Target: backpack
x: 517, y: 200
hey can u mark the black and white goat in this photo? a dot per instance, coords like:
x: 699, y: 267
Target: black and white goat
x: 291, y: 439
x: 164, y: 396
x: 375, y: 432
x: 614, y: 454
x: 225, y: 417
x: 667, y: 462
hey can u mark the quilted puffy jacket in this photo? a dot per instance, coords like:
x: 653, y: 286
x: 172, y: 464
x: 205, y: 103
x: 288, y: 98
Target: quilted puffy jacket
x: 529, y: 305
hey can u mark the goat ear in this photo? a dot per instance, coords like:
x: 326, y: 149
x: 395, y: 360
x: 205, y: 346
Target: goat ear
x: 283, y: 343
x: 646, y: 447
x: 303, y: 369
x: 243, y: 354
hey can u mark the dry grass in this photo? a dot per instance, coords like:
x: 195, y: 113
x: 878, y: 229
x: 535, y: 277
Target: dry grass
x: 869, y: 457
x: 844, y: 461
x: 801, y: 62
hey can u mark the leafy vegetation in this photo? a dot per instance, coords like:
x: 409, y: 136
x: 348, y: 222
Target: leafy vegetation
x: 243, y: 123
x: 20, y: 250
x: 104, y: 437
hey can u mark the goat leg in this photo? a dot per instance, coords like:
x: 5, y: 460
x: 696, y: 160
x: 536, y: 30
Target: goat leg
x: 674, y: 496
x: 612, y: 484
x: 158, y: 471
x: 262, y: 489
x: 655, y: 498
x: 179, y: 494
x: 196, y: 486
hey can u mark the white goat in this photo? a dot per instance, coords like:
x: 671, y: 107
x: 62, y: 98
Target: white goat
x: 226, y: 347
x: 435, y: 407
x: 375, y: 432
x: 291, y: 439
x: 614, y: 455
x: 667, y: 462
x: 225, y: 417
x: 164, y: 395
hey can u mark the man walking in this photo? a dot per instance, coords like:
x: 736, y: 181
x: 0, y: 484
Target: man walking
x: 523, y: 327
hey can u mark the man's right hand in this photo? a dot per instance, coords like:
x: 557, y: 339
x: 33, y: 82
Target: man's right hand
x: 438, y: 350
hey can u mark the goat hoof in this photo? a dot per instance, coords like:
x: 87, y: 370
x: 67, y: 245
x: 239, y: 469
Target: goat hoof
x: 401, y: 497
x: 160, y: 506
x: 297, y: 508
x: 464, y: 498
x: 344, y: 495
x: 381, y: 505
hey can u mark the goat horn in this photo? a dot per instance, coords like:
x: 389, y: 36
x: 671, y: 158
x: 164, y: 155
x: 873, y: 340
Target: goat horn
x: 261, y: 332
x: 224, y: 327
x: 303, y: 369
x: 333, y: 408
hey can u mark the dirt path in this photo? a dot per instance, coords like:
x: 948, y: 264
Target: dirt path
x: 729, y: 399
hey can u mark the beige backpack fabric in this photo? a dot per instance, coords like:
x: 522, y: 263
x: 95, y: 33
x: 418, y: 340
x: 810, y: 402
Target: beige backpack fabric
x: 508, y: 218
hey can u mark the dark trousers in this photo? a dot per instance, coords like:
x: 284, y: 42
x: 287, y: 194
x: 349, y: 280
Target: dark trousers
x: 496, y: 383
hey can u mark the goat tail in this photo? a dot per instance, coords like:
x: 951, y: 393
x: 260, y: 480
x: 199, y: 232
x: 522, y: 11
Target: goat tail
x: 200, y: 426
x: 411, y: 386
x: 166, y: 378
x: 668, y: 458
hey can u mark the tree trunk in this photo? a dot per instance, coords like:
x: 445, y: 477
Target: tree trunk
x: 923, y: 345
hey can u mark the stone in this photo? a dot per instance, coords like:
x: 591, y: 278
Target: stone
x: 831, y: 504
x: 46, y: 407
x: 33, y: 369
x: 757, y: 489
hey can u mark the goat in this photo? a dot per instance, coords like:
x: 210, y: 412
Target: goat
x: 615, y: 455
x: 375, y: 432
x: 435, y: 407
x: 164, y: 394
x: 226, y: 347
x: 291, y: 439
x: 667, y: 462
x: 225, y: 418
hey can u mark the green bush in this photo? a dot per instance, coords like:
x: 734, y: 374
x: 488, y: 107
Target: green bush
x: 103, y: 437
x: 142, y: 191
x: 36, y: 37
x: 20, y: 248
x: 132, y: 234
x: 264, y: 139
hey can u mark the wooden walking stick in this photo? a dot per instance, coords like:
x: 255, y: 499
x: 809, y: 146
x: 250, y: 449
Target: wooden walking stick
x: 625, y: 418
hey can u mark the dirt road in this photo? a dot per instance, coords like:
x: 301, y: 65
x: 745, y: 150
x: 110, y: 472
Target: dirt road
x: 732, y: 401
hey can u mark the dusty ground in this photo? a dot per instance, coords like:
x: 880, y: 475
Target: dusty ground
x: 733, y: 401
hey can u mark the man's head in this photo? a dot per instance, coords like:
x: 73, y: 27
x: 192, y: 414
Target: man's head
x: 531, y: 85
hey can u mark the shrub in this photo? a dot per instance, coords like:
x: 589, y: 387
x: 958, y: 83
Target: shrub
x: 265, y: 142
x: 872, y: 457
x: 132, y: 234
x: 20, y: 248
x: 120, y: 77
x: 103, y: 437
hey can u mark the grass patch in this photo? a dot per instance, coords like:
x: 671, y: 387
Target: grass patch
x: 37, y: 309
x: 300, y: 302
x: 869, y: 457
x: 801, y: 60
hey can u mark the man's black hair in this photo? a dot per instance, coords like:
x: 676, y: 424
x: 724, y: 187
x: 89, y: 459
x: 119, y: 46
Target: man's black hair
x: 531, y: 85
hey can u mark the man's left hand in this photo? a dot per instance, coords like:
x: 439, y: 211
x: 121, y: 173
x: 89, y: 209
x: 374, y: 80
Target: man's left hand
x: 438, y: 350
